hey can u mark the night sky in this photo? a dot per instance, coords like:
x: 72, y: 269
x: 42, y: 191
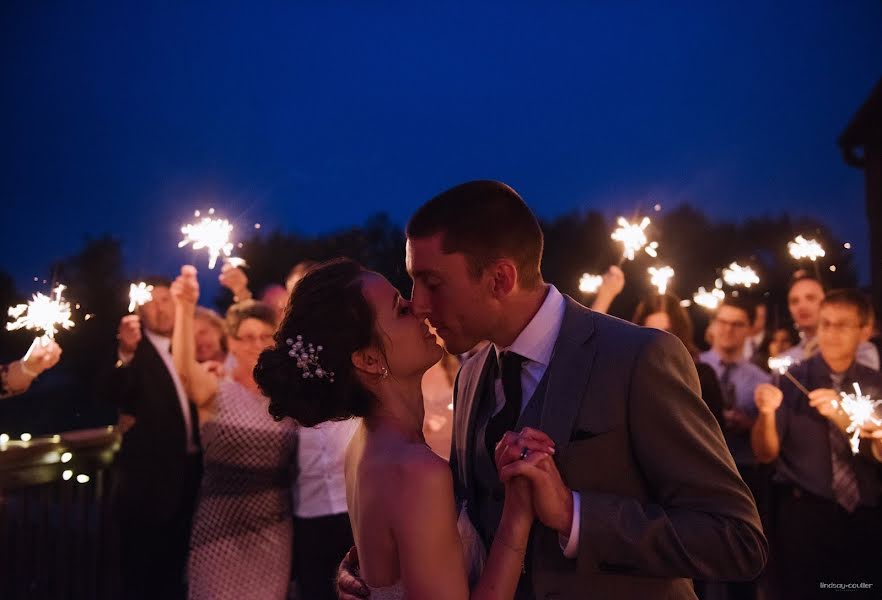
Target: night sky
x: 123, y: 118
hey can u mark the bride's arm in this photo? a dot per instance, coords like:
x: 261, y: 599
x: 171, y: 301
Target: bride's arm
x: 429, y: 548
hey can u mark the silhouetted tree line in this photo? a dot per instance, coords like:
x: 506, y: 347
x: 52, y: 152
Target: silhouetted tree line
x: 696, y: 247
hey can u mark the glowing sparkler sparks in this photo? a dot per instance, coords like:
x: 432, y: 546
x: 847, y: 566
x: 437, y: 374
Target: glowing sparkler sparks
x: 589, y: 284
x: 780, y: 364
x: 213, y: 234
x: 709, y: 299
x: 43, y: 313
x: 861, y: 409
x: 802, y: 248
x: 236, y: 262
x: 735, y: 275
x: 139, y: 295
x: 633, y: 237
x: 660, y: 278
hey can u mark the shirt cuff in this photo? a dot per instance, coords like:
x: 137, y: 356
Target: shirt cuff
x: 123, y: 359
x: 570, y: 544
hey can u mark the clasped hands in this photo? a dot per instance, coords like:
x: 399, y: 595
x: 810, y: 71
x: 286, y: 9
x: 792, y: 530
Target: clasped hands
x: 528, y: 454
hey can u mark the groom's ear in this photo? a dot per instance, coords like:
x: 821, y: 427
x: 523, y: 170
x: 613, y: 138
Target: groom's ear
x: 504, y: 277
x: 368, y: 361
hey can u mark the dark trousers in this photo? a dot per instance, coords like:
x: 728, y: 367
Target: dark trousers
x: 815, y: 541
x: 320, y: 544
x: 153, y: 555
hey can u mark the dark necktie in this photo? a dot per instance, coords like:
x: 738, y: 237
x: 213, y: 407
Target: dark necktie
x: 727, y: 386
x: 845, y: 483
x: 506, y: 419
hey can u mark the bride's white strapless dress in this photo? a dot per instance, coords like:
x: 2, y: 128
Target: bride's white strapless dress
x: 473, y: 550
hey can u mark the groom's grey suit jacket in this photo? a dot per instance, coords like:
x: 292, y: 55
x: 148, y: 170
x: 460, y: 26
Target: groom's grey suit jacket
x: 661, y: 499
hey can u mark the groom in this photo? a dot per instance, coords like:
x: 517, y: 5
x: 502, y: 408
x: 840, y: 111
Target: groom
x: 645, y: 495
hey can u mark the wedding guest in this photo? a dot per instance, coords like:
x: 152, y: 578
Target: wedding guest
x: 738, y: 379
x: 613, y: 282
x: 158, y: 466
x: 241, y: 541
x: 778, y: 341
x: 826, y: 526
x: 16, y: 377
x: 276, y: 296
x: 758, y: 331
x: 209, y: 331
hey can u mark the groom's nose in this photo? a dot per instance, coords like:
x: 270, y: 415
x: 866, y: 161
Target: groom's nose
x: 419, y: 301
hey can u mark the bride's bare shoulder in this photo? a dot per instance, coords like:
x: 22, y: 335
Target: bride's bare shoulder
x: 419, y: 468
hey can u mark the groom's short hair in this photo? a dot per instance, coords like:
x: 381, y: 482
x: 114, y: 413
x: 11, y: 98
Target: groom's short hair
x: 486, y: 221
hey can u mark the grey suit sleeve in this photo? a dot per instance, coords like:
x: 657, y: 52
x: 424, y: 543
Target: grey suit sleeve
x: 701, y: 521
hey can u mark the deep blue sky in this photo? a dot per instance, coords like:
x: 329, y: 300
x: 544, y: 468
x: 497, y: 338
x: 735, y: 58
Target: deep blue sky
x: 123, y: 118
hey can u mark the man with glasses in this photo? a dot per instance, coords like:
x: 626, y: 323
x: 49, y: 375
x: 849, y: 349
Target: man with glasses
x: 826, y: 525
x: 739, y: 378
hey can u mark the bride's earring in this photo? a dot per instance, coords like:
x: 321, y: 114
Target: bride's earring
x: 385, y: 373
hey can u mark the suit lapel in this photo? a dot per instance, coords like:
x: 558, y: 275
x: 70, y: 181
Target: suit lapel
x: 568, y: 373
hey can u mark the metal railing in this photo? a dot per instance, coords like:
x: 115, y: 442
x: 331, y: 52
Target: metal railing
x: 57, y: 538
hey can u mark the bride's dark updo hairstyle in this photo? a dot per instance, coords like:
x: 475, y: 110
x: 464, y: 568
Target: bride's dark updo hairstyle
x: 327, y: 308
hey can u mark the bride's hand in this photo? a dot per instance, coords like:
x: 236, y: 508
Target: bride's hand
x: 517, y: 446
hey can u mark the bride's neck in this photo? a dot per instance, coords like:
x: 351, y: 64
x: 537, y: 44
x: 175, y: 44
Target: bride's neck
x: 400, y: 409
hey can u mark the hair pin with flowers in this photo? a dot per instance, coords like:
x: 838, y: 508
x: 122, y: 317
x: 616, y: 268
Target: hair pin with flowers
x: 307, y: 357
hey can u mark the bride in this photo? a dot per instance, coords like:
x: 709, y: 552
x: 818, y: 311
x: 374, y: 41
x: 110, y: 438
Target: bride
x: 349, y: 346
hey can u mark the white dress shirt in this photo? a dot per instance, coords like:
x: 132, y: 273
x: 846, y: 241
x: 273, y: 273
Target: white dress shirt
x: 320, y: 489
x: 536, y: 344
x: 163, y: 347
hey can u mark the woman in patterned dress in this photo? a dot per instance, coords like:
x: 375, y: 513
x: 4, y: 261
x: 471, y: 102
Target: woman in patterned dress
x: 242, y: 531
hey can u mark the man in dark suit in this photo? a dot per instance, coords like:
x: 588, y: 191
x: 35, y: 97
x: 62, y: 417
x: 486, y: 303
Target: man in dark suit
x: 645, y: 494
x: 156, y: 473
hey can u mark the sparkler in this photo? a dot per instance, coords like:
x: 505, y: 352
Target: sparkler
x: 781, y: 366
x: 735, y: 275
x: 660, y: 278
x: 802, y: 248
x: 861, y: 409
x: 43, y: 313
x: 139, y: 295
x: 213, y: 234
x: 709, y: 299
x: 633, y: 238
x: 589, y: 284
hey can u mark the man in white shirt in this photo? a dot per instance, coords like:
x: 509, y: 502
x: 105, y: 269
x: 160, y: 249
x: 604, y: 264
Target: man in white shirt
x: 322, y: 532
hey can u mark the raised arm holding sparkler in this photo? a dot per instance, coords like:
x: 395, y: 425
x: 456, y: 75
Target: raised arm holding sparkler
x: 44, y: 314
x: 16, y: 377
x: 607, y: 287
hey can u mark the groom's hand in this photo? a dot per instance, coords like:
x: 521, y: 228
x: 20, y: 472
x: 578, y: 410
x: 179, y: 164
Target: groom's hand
x: 349, y: 585
x: 552, y: 499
